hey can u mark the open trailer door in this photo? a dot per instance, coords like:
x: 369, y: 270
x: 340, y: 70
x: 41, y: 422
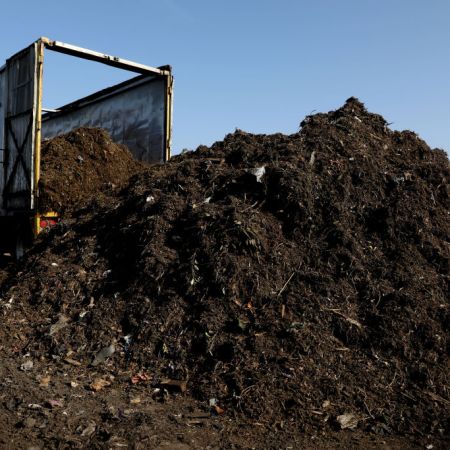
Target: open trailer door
x: 22, y: 79
x: 136, y: 113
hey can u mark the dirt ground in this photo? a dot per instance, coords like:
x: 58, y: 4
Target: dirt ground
x: 270, y: 291
x: 55, y: 407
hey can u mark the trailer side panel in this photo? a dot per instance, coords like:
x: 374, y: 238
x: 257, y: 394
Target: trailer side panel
x: 133, y: 112
x: 2, y: 124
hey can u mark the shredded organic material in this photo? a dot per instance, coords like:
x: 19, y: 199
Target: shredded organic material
x: 297, y: 282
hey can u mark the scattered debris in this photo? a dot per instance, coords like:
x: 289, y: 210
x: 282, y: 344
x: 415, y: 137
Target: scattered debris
x: 140, y: 378
x: 55, y: 403
x: 27, y: 365
x: 104, y: 354
x: 29, y: 422
x: 89, y: 430
x: 71, y: 361
x: 62, y: 322
x: 44, y: 381
x: 35, y: 406
x: 218, y: 410
x: 99, y: 383
x: 174, y: 385
x: 257, y: 172
x: 347, y: 421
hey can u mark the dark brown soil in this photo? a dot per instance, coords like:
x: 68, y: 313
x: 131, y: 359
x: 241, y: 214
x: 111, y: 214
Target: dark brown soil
x: 79, y: 165
x: 290, y: 305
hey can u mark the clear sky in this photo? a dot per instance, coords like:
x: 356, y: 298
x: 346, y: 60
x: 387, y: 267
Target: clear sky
x: 257, y: 65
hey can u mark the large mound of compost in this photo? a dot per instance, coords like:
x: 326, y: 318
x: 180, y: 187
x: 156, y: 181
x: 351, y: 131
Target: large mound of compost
x: 294, y: 280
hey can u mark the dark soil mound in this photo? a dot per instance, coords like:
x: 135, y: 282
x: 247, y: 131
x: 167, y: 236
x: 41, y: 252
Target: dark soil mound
x: 80, y: 165
x: 297, y: 280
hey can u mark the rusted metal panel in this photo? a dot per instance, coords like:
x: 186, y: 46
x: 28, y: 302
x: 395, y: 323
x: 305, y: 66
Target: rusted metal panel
x: 133, y: 112
x: 19, y: 130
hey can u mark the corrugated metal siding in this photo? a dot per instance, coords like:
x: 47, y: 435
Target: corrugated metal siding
x: 19, y: 129
x: 2, y: 123
x: 134, y: 114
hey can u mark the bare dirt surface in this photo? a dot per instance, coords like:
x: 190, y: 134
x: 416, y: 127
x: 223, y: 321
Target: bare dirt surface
x: 55, y: 406
x: 267, y: 292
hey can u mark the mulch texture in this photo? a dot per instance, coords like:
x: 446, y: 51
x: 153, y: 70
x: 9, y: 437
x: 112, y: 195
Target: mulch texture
x: 290, y: 280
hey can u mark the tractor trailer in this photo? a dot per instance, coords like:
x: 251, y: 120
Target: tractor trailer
x: 137, y: 113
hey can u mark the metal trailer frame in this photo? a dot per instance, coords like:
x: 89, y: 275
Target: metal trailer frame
x: 31, y: 88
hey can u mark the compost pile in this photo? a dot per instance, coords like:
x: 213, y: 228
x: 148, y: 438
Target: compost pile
x: 79, y: 165
x: 300, y: 278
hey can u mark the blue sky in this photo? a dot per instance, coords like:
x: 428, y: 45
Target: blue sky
x: 258, y: 65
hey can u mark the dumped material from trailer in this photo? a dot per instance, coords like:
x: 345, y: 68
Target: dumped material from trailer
x: 79, y: 166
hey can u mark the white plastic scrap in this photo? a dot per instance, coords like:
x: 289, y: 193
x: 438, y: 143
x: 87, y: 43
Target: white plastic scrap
x: 258, y: 172
x: 34, y: 406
